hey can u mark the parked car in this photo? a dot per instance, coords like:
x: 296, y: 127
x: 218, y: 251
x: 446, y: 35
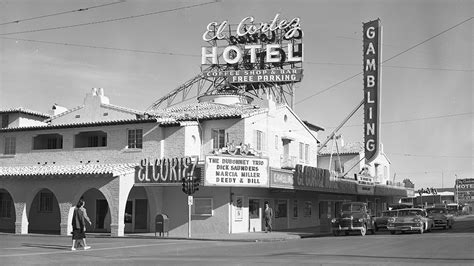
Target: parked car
x: 411, y: 219
x: 454, y: 209
x: 441, y: 217
x: 381, y: 221
x: 354, y: 216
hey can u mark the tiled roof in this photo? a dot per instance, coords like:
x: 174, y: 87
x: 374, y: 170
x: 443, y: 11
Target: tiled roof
x: 82, y: 124
x: 25, y: 111
x: 123, y: 109
x: 348, y: 148
x: 55, y: 169
x: 66, y: 112
x: 206, y: 110
x: 110, y: 106
x: 313, y: 126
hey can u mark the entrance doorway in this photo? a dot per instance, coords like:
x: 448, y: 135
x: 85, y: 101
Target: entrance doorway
x: 141, y: 213
x: 101, y: 209
x: 255, y: 215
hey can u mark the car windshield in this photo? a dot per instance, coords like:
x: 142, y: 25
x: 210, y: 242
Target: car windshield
x: 389, y: 214
x: 351, y: 208
x: 409, y: 212
x: 432, y: 211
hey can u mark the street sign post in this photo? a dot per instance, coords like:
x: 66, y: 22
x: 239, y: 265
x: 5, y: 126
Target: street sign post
x: 189, y: 186
x: 190, y: 203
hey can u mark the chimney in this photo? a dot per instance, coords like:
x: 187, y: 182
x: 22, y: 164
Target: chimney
x: 56, y: 110
x: 96, y: 95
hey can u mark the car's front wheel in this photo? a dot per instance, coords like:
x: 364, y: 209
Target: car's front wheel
x: 392, y: 232
x: 335, y: 232
x: 363, y: 231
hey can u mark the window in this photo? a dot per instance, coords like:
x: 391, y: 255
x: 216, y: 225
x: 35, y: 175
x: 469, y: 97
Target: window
x: 90, y: 139
x: 46, y: 202
x: 306, y: 153
x: 338, y: 166
x: 307, y: 208
x: 281, y: 209
x: 10, y: 145
x: 218, y: 138
x: 295, y: 208
x: 135, y: 138
x: 48, y: 141
x: 254, y: 208
x: 259, y: 140
x: 202, y: 206
x: 5, y: 205
x: 301, y: 151
x: 277, y: 142
x: 5, y: 121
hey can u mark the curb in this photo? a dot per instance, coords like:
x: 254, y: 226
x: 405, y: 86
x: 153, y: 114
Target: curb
x: 277, y: 239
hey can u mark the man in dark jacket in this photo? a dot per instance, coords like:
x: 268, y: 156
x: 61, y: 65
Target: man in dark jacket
x: 268, y: 217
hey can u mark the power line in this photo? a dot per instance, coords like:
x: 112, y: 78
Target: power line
x: 436, y: 156
x: 402, y: 52
x: 195, y: 55
x: 431, y: 68
x: 416, y: 119
x: 61, y: 13
x: 433, y: 172
x: 109, y: 20
x: 429, y: 39
x: 103, y: 47
x: 385, y: 66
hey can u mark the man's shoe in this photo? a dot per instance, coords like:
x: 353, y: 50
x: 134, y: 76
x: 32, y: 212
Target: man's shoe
x: 87, y: 247
x: 73, y: 249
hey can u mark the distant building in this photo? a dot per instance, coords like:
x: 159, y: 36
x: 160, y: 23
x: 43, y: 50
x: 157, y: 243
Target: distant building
x: 348, y: 159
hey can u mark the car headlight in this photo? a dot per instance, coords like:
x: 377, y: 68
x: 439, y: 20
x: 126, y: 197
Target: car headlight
x: 361, y: 220
x: 417, y: 220
x: 333, y: 220
x: 352, y: 217
x: 391, y: 220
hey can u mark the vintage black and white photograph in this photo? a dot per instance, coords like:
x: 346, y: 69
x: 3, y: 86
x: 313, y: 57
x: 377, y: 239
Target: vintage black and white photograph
x: 236, y: 132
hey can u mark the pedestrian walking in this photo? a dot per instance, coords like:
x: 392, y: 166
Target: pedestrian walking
x: 268, y: 217
x: 79, y: 219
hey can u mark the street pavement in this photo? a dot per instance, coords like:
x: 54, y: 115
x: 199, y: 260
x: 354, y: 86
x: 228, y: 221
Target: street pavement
x: 308, y: 246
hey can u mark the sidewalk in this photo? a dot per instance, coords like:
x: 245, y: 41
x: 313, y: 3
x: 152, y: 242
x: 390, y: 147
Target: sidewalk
x: 280, y: 235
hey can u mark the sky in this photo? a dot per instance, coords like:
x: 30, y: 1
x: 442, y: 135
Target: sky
x: 139, y: 50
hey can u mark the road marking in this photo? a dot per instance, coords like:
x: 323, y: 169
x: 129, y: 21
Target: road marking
x: 90, y: 250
